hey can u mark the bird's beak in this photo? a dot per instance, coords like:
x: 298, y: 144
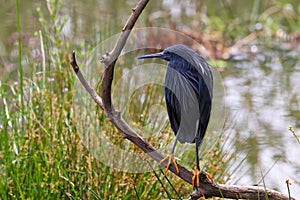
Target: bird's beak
x: 156, y: 55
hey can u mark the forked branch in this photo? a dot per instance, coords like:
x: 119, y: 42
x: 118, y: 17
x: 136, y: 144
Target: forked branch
x: 207, y: 188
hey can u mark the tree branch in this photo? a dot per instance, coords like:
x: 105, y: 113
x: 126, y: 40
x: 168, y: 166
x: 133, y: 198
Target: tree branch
x: 238, y: 192
x: 207, y: 188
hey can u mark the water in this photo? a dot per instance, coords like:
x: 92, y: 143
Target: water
x: 262, y: 91
x: 263, y: 102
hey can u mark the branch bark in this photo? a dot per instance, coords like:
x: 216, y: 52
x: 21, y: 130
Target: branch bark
x: 207, y: 188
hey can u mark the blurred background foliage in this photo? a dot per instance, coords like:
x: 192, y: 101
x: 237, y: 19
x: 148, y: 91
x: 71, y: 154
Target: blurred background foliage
x: 253, y: 44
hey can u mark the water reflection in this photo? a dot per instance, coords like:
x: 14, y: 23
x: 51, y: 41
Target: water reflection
x: 260, y: 94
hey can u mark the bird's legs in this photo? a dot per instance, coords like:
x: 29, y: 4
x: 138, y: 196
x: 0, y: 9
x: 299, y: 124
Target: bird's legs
x: 170, y: 159
x: 198, y: 172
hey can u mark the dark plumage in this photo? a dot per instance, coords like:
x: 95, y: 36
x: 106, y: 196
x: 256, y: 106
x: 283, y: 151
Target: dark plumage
x: 188, y: 93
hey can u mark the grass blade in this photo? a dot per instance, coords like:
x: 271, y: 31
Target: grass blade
x: 20, y: 65
x: 156, y: 175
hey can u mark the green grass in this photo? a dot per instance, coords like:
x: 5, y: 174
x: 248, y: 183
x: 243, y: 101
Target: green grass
x: 42, y: 156
x: 20, y: 64
x: 41, y: 152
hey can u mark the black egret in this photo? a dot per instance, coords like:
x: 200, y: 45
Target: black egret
x: 188, y: 95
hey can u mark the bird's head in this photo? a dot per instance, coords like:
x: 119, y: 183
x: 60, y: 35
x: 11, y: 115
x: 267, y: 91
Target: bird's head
x: 162, y: 55
x: 172, y: 52
x: 180, y: 51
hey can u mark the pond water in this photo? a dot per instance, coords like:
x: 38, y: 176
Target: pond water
x: 261, y: 91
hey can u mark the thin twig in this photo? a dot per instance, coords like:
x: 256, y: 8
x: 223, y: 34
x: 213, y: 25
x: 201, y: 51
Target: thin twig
x: 85, y: 84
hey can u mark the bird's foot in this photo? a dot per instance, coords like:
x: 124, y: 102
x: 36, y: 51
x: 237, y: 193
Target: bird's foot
x: 170, y: 159
x: 201, y: 176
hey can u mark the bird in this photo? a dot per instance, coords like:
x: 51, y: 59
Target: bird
x: 188, y: 89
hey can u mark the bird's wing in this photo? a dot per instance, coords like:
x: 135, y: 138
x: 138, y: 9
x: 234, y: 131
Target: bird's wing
x: 173, y: 109
x: 196, y: 108
x: 182, y: 104
x: 205, y: 103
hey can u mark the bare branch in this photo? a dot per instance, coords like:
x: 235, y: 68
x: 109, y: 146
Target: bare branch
x: 207, y: 188
x: 88, y: 88
x: 238, y: 192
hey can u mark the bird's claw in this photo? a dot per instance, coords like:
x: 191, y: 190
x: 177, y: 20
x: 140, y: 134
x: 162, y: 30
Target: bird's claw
x: 170, y: 160
x: 197, y: 177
